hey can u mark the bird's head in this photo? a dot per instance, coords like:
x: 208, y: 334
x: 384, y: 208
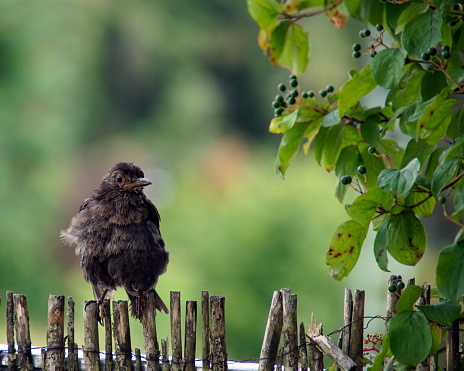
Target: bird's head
x: 123, y: 177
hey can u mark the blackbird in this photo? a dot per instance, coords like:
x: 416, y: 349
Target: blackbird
x: 116, y: 235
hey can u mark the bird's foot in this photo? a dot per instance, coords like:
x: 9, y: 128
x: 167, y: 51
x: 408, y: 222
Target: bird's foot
x: 102, y: 313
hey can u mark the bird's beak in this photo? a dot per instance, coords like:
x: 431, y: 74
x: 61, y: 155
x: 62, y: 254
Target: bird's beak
x: 141, y: 182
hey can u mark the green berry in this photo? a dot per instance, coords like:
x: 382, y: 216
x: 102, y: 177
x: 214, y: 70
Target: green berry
x: 293, y: 83
x: 311, y: 94
x: 362, y: 170
x: 276, y: 104
x: 329, y: 88
x: 294, y: 93
x: 346, y: 179
x: 356, y: 47
x: 379, y: 27
x: 400, y: 285
x: 446, y: 54
x: 432, y: 51
x: 282, y: 87
x: 371, y: 150
x: 425, y: 56
x: 292, y: 100
x: 442, y: 199
x: 392, y: 288
x: 356, y: 54
x: 279, y: 98
x: 322, y: 93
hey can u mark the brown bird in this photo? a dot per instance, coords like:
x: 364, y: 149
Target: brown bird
x: 116, y: 235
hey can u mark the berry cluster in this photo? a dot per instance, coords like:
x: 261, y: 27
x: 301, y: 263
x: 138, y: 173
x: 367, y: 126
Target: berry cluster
x: 366, y: 33
x: 290, y: 97
x: 372, y: 341
x: 398, y: 286
x: 431, y: 52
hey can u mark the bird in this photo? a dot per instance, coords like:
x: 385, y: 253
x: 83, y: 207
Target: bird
x: 116, y: 234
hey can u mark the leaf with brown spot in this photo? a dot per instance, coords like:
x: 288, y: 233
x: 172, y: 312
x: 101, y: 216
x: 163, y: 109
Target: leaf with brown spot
x: 345, y: 248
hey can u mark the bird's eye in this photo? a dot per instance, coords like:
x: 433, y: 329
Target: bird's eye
x: 119, y: 179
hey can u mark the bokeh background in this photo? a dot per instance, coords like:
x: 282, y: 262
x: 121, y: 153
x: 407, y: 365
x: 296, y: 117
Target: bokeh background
x: 181, y: 89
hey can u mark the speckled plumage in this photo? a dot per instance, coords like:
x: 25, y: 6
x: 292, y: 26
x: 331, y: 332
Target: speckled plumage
x: 117, y: 238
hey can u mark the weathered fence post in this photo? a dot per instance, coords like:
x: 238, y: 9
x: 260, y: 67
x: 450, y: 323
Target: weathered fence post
x: 205, y: 332
x: 357, y: 329
x: 23, y: 335
x: 71, y: 361
x: 316, y: 358
x: 138, y: 359
x: 303, y: 348
x: 452, y: 347
x: 176, y: 335
x: 10, y: 331
x: 218, y: 334
x: 347, y: 319
x: 270, y: 347
x: 290, y: 330
x: 392, y: 299
x: 190, y: 335
x: 54, y: 358
x: 152, y: 351
x: 91, y: 346
x: 122, y: 340
x: 108, y: 335
x: 165, y: 365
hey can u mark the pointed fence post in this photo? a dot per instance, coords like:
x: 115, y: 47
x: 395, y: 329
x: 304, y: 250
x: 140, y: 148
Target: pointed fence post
x: 91, y: 346
x: 122, y: 339
x: 218, y: 334
x: 205, y: 331
x: 176, y: 334
x: 23, y: 335
x: 10, y: 331
x: 190, y: 335
x: 290, y: 331
x: 357, y: 329
x: 149, y: 333
x: 54, y: 358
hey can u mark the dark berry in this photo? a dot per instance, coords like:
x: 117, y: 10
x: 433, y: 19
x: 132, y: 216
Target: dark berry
x: 456, y: 7
x: 356, y: 54
x: 400, y: 285
x: 346, y: 179
x: 294, y: 93
x: 446, y: 54
x: 442, y: 199
x: 445, y: 48
x: 392, y: 288
x: 292, y: 100
x: 356, y: 47
x: 432, y: 51
x: 322, y: 93
x: 373, y: 53
x: 282, y: 87
x: 371, y: 150
x: 293, y: 83
x: 311, y: 94
x: 361, y: 33
x: 305, y: 94
x: 425, y: 56
x: 278, y: 111
x: 362, y: 170
x: 454, y: 22
x: 379, y: 27
x: 276, y: 104
x: 329, y: 88
x: 292, y: 77
x: 366, y: 32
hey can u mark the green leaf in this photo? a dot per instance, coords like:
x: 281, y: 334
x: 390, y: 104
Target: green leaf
x: 381, y: 243
x: 443, y: 313
x: 408, y: 298
x: 370, y: 129
x: 345, y: 247
x: 456, y: 126
x: 453, y: 150
x: 417, y: 149
x: 420, y: 196
x: 364, y: 206
x: 264, y: 12
x: 399, y: 182
x: 361, y: 84
x: 288, y: 148
x: 289, y: 47
x: 387, y: 67
x: 412, y: 10
x: 338, y: 137
x: 433, y: 83
x: 347, y: 164
x: 406, y: 238
x: 283, y: 123
x: 459, y: 197
x: 422, y: 32
x: 373, y: 164
x: 410, y: 337
x: 331, y: 119
x: 408, y: 91
x: 456, y: 72
x: 443, y: 174
x: 450, y: 272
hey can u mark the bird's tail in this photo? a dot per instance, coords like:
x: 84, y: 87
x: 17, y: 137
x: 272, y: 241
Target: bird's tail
x: 139, y: 303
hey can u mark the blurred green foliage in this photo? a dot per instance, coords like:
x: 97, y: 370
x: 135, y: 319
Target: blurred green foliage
x: 181, y: 90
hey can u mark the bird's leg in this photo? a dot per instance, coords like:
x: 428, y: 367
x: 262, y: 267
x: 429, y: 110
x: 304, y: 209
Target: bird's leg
x: 99, y: 301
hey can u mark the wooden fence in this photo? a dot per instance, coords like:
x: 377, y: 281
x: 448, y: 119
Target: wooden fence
x: 285, y: 345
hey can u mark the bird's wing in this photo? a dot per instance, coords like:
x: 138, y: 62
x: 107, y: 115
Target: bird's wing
x: 153, y: 214
x: 84, y: 204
